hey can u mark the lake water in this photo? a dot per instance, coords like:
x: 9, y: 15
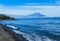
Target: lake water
x: 36, y: 29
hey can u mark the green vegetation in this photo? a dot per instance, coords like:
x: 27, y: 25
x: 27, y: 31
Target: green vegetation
x: 4, y: 17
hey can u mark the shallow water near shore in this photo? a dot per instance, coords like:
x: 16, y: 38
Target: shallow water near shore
x: 36, y: 29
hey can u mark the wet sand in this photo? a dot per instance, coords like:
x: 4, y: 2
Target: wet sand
x: 5, y: 36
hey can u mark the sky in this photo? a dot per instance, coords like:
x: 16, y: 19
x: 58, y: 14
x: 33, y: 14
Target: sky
x: 26, y: 7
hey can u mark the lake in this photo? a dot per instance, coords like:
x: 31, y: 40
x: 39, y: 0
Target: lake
x: 36, y: 29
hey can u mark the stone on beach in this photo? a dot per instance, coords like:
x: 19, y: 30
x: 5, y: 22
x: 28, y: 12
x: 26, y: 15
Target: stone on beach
x: 5, y: 36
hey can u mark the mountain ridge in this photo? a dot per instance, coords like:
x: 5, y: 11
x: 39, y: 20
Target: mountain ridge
x: 34, y: 15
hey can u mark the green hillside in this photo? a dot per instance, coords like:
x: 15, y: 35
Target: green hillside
x: 4, y: 17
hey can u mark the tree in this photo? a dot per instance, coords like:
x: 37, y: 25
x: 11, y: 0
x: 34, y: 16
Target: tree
x: 4, y: 17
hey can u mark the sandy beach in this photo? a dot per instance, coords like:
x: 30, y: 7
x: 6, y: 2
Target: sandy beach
x: 5, y: 36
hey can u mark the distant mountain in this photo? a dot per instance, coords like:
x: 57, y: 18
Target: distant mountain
x: 36, y: 14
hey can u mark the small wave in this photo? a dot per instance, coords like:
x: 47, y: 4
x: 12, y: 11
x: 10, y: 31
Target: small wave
x: 33, y: 37
x: 12, y: 27
x: 23, y: 34
x: 30, y: 36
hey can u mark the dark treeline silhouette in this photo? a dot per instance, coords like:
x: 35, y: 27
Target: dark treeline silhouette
x: 4, y: 17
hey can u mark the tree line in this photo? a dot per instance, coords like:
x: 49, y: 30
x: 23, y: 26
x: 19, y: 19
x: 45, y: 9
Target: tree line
x: 4, y: 17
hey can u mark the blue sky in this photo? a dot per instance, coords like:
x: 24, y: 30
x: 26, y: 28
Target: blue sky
x: 25, y: 7
x: 24, y: 2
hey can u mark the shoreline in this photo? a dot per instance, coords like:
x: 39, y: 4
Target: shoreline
x: 6, y: 35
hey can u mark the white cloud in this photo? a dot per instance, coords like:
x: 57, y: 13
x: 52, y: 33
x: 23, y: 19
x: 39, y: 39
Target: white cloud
x: 37, y: 4
x: 25, y: 10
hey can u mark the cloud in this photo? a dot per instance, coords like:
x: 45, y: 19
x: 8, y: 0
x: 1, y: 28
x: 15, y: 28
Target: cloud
x: 46, y: 2
x: 25, y: 10
x: 41, y: 3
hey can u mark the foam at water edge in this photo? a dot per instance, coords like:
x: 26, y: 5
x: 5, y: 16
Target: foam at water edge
x: 33, y: 37
x: 12, y: 26
x: 23, y: 34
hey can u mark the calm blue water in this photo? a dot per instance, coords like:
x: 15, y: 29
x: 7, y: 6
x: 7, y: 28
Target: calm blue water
x: 36, y: 29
